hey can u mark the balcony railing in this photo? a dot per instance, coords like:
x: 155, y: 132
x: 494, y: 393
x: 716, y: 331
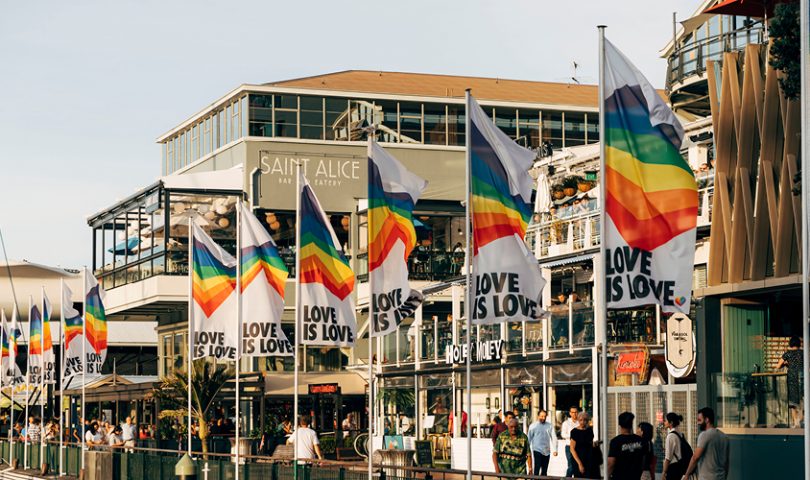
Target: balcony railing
x: 423, y: 264
x: 690, y: 59
x: 566, y: 234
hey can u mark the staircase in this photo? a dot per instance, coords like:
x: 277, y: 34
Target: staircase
x: 8, y: 474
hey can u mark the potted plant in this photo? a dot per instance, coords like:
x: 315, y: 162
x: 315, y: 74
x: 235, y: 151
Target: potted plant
x: 569, y: 186
x: 584, y: 185
x: 557, y: 192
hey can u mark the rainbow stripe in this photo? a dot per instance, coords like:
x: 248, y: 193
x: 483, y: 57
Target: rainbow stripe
x: 96, y: 320
x: 35, y: 331
x: 390, y: 219
x: 264, y: 259
x: 497, y: 213
x: 4, y: 344
x: 651, y: 190
x: 322, y: 260
x: 72, y: 328
x: 46, y: 326
x: 213, y: 281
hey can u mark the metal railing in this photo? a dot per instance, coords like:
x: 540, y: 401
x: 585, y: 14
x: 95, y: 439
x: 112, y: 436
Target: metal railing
x: 690, y: 59
x: 157, y: 464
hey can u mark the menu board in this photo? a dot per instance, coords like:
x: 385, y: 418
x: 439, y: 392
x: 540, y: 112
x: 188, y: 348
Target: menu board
x: 424, y: 453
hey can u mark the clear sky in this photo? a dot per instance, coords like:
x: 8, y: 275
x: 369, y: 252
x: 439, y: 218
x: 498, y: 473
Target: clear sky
x: 87, y: 86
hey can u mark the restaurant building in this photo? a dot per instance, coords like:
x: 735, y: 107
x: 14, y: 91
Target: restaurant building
x: 749, y: 304
x: 319, y: 121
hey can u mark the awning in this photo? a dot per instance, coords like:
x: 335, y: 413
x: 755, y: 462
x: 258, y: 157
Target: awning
x: 567, y: 261
x: 746, y: 8
x: 282, y: 384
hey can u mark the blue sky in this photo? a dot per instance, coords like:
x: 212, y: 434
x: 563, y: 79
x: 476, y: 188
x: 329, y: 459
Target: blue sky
x: 88, y: 86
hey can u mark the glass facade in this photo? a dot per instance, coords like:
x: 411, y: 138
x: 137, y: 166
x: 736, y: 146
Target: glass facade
x: 148, y: 235
x: 342, y: 119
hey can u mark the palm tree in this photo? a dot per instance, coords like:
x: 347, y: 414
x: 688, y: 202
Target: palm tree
x: 208, y: 379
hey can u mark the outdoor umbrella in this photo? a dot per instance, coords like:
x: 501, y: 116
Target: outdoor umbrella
x: 746, y: 8
x: 126, y: 246
x: 542, y: 199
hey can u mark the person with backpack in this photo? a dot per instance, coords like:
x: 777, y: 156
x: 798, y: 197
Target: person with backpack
x: 677, y: 452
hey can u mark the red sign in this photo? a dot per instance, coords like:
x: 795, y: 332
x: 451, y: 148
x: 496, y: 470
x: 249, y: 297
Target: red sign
x: 632, y: 362
x: 324, y: 389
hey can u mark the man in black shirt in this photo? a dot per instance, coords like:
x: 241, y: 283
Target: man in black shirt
x: 627, y: 451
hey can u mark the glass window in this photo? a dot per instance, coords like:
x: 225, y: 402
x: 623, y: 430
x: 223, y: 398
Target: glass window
x: 574, y: 129
x: 592, y: 128
x: 529, y: 128
x: 195, y: 142
x: 435, y: 124
x: 285, y: 111
x: 506, y: 120
x: 312, y: 118
x: 337, y: 119
x: 456, y: 119
x: 361, y: 116
x: 386, y: 120
x: 410, y: 122
x: 757, y: 333
x: 236, y: 122
x: 261, y: 115
x: 552, y: 128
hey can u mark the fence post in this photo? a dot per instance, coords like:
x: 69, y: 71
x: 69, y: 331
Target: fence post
x: 382, y: 474
x: 342, y: 473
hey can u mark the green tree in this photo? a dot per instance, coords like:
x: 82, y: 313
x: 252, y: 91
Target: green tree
x: 784, y: 31
x: 207, y: 381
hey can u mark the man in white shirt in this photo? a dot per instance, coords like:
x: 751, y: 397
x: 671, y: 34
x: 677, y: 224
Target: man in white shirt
x: 92, y: 437
x: 305, y: 440
x: 114, y: 438
x: 565, y: 432
x: 128, y: 433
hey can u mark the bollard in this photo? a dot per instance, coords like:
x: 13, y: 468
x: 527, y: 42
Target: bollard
x: 185, y: 469
x: 428, y: 476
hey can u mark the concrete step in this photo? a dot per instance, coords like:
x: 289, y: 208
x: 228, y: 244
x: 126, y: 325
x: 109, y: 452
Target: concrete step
x: 7, y: 473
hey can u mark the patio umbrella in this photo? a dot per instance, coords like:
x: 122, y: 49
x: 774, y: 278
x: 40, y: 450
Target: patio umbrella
x: 746, y: 8
x: 542, y: 199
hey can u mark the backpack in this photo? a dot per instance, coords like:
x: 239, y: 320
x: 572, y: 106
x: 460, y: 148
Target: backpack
x: 677, y: 469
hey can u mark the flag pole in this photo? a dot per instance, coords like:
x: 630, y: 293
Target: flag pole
x: 602, y: 341
x: 27, y: 389
x: 11, y: 365
x: 804, y: 13
x: 297, y: 330
x: 42, y: 380
x: 61, y: 376
x: 190, y: 323
x: 238, y: 323
x: 468, y: 300
x: 84, y: 363
x: 371, y: 325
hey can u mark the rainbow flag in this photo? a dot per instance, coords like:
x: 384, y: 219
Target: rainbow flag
x: 508, y: 281
x: 96, y: 327
x: 327, y: 282
x: 72, y: 327
x: 213, y: 303
x: 48, y: 355
x: 651, y: 198
x: 264, y: 278
x: 11, y: 371
x: 392, y: 193
x: 34, y: 372
x: 4, y: 353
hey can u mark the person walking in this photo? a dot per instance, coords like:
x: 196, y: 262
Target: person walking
x: 500, y: 426
x: 645, y: 431
x: 511, y: 453
x: 582, y: 450
x: 565, y: 432
x: 711, y: 456
x: 305, y: 440
x: 677, y: 452
x: 793, y: 359
x: 626, y: 452
x: 543, y: 441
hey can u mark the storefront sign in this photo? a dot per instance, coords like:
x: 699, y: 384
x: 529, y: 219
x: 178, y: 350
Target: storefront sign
x: 632, y: 362
x: 321, y: 171
x: 482, y: 352
x: 680, y: 345
x: 324, y: 389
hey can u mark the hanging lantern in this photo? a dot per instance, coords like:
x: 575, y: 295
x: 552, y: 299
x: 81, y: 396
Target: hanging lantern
x: 210, y: 216
x: 275, y: 225
x: 223, y: 222
x: 345, y: 222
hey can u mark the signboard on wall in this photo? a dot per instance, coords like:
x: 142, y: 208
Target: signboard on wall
x: 488, y: 350
x: 324, y: 389
x: 634, y: 362
x: 680, y: 345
